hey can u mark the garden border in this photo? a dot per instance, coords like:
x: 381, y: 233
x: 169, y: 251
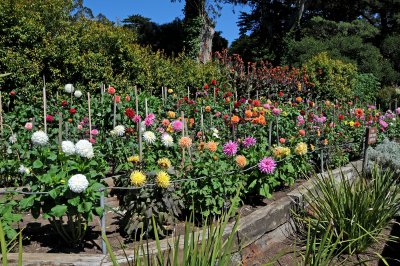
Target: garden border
x: 255, y: 231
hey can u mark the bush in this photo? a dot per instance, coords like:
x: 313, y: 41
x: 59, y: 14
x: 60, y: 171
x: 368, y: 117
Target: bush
x: 385, y: 154
x: 366, y: 87
x: 332, y: 78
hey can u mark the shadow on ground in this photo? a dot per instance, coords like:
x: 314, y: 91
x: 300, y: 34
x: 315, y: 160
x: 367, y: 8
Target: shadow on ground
x: 391, y: 252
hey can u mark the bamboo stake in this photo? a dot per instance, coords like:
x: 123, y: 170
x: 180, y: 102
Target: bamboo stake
x: 162, y: 95
x: 102, y: 89
x: 188, y: 93
x: 166, y: 94
x: 270, y: 133
x: 183, y: 123
x: 215, y: 95
x: 44, y: 105
x: 90, y: 117
x: 145, y: 106
x: 136, y: 100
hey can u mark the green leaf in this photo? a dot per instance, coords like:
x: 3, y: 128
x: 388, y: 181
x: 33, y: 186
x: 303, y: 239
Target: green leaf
x: 264, y: 190
x: 52, y: 157
x: 54, y: 193
x: 59, y: 210
x: 290, y: 168
x: 87, y: 206
x: 99, y: 211
x: 37, y: 164
x: 74, y: 201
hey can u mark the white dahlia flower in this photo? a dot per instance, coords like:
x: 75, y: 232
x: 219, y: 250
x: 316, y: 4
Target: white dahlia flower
x: 13, y: 138
x: 167, y: 140
x: 84, y: 149
x: 39, y: 138
x: 149, y: 137
x: 68, y: 147
x: 23, y: 170
x: 69, y: 88
x: 78, y: 94
x: 215, y: 133
x: 142, y: 126
x: 118, y: 130
x: 78, y: 183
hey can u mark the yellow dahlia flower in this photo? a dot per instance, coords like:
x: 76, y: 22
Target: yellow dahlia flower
x: 133, y: 159
x: 138, y: 178
x: 163, y: 180
x: 164, y: 163
x: 301, y: 148
x: 281, y: 152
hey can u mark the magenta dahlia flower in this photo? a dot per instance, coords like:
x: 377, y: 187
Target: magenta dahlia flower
x: 148, y: 121
x: 230, y: 148
x: 177, y: 125
x: 267, y: 165
x: 249, y: 141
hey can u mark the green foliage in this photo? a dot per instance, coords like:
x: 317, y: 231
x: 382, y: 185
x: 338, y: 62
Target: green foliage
x: 51, y: 171
x: 349, y: 42
x: 356, y: 211
x: 9, y: 215
x: 7, y: 246
x: 206, y: 246
x: 83, y: 52
x: 366, y: 87
x: 141, y: 205
x: 332, y: 78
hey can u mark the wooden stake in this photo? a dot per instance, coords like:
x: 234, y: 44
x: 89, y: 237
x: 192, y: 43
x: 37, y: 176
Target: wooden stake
x: 163, y: 95
x: 215, y: 94
x: 145, y: 106
x: 90, y: 116
x: 102, y: 89
x: 188, y: 93
x: 44, y: 105
x: 270, y: 133
x: 136, y: 100
x: 183, y: 123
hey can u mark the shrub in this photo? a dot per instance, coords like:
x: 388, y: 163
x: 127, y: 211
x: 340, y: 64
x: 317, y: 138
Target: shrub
x: 365, y: 87
x: 332, y: 78
x: 385, y: 154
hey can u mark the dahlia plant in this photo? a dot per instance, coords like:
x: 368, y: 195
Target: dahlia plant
x: 72, y: 178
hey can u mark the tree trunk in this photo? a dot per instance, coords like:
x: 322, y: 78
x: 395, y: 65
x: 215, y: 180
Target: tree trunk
x: 199, y: 31
x: 206, y: 37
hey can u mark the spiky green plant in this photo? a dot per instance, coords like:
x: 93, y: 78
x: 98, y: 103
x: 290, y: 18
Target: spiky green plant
x: 356, y: 210
x: 204, y: 247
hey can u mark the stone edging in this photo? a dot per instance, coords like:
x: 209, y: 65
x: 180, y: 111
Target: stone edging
x: 254, y: 229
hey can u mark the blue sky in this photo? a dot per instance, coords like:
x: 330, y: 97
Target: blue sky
x: 162, y: 11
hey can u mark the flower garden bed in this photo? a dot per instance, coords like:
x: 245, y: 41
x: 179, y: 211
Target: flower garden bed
x: 170, y: 156
x: 258, y: 231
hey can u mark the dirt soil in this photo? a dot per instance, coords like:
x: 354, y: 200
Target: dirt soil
x: 39, y: 236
